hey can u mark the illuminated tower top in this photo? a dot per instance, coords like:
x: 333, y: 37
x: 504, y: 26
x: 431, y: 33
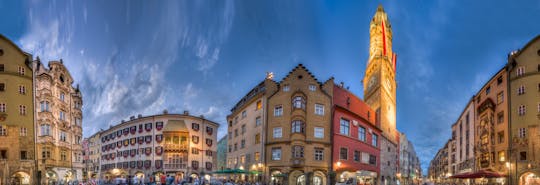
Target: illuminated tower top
x: 380, y: 31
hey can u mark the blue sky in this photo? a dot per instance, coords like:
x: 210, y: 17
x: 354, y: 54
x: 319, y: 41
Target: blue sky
x: 132, y: 57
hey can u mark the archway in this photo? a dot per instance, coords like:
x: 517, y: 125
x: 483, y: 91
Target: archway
x: 51, y: 177
x: 529, y: 178
x: 20, y: 178
x: 319, y: 178
x: 276, y: 177
x: 297, y: 178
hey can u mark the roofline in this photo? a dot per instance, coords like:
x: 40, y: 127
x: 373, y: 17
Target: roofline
x: 28, y: 55
x: 527, y: 45
x: 471, y: 100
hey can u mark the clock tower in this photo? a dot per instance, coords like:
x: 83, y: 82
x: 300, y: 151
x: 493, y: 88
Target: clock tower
x: 379, y: 80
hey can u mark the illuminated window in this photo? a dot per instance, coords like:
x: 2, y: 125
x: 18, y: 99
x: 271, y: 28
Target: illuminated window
x: 257, y: 156
x: 502, y: 157
x: 257, y: 138
x: 259, y: 105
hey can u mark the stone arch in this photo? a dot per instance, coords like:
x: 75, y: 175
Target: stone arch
x: 296, y: 176
x: 20, y: 177
x: 319, y: 178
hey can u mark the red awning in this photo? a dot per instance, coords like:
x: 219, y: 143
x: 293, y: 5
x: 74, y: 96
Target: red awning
x: 478, y: 174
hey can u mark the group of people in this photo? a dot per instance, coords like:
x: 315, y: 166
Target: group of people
x: 149, y: 180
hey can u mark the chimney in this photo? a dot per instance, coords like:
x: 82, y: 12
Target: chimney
x: 186, y: 112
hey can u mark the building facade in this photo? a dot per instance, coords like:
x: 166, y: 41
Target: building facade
x: 222, y: 153
x: 17, y: 147
x: 380, y: 92
x: 463, y: 132
x: 174, y: 144
x: 438, y: 167
x: 409, y: 165
x: 59, y: 116
x: 246, y: 134
x: 524, y: 92
x: 299, y: 109
x: 355, y: 149
x: 92, y: 157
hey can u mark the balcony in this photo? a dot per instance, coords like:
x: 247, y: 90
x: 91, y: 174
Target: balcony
x: 167, y: 166
x: 176, y: 148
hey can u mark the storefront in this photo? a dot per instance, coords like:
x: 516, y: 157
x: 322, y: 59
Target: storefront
x: 361, y: 177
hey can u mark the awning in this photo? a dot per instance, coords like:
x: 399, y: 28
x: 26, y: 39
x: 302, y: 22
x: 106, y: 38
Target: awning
x: 478, y: 174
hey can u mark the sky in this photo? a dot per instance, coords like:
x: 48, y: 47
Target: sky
x: 142, y: 57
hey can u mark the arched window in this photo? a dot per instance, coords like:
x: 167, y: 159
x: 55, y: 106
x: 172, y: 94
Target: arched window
x: 299, y: 102
x: 297, y: 126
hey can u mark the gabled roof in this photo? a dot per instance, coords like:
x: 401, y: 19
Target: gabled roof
x: 300, y: 67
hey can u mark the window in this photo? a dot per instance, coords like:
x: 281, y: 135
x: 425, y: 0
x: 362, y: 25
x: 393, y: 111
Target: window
x: 230, y: 135
x: 235, y: 132
x: 257, y: 156
x: 356, y: 155
x: 276, y: 154
x: 521, y: 90
x: 243, y: 129
x: 21, y: 70
x: 46, y: 152
x: 3, y: 130
x: 230, y: 148
x: 235, y: 120
x: 362, y: 134
x: 22, y: 110
x: 500, y: 117
x: 209, y: 142
x: 522, y: 132
x: 195, y: 164
x: 277, y: 132
x: 1, y: 65
x: 299, y: 102
x: 2, y: 87
x: 374, y: 139
x: 344, y: 127
x: 45, y: 130
x: 297, y: 126
x: 243, y: 144
x: 502, y: 156
x: 500, y: 137
x: 319, y: 132
x: 286, y: 88
x: 500, y: 98
x: 522, y: 156
x: 538, y: 107
x: 3, y: 154
x: 278, y: 111
x: 257, y: 138
x: 372, y: 160
x: 195, y: 126
x: 499, y: 80
x: 343, y: 153
x: 258, y: 121
x: 319, y: 154
x: 24, y: 155
x: 62, y: 116
x: 488, y: 89
x: 24, y: 131
x: 44, y: 106
x: 2, y: 107
x: 78, y: 121
x: 312, y: 87
x: 209, y: 130
x: 242, y: 159
x: 521, y: 110
x: 62, y: 98
x: 520, y: 71
x: 259, y: 105
x: 63, y: 155
x: 62, y: 136
x: 194, y: 150
x: 298, y: 151
x: 244, y: 114
x: 319, y: 109
x: 22, y: 89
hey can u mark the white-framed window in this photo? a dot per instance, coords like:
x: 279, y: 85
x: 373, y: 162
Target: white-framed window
x: 62, y: 115
x: 2, y: 107
x: 312, y: 87
x: 297, y: 126
x: 62, y: 96
x: 21, y: 70
x: 521, y: 90
x: 319, y: 154
x: 63, y: 136
x: 44, y: 105
x: 24, y: 131
x: 286, y: 88
x: 344, y: 126
x: 520, y: 70
x: 276, y: 154
x: 278, y: 110
x: 521, y: 110
x: 3, y: 130
x: 319, y: 109
x: 362, y: 134
x: 278, y: 132
x: 22, y: 89
x: 522, y: 132
x: 244, y: 114
x: 319, y: 132
x: 45, y: 130
x: 22, y: 110
x: 258, y: 121
x: 299, y: 102
x: 298, y: 151
x: 374, y: 140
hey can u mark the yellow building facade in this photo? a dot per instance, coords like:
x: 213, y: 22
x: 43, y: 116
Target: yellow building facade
x: 17, y: 149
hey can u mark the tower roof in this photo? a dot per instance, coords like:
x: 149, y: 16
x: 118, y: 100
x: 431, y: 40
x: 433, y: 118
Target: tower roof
x: 380, y: 15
